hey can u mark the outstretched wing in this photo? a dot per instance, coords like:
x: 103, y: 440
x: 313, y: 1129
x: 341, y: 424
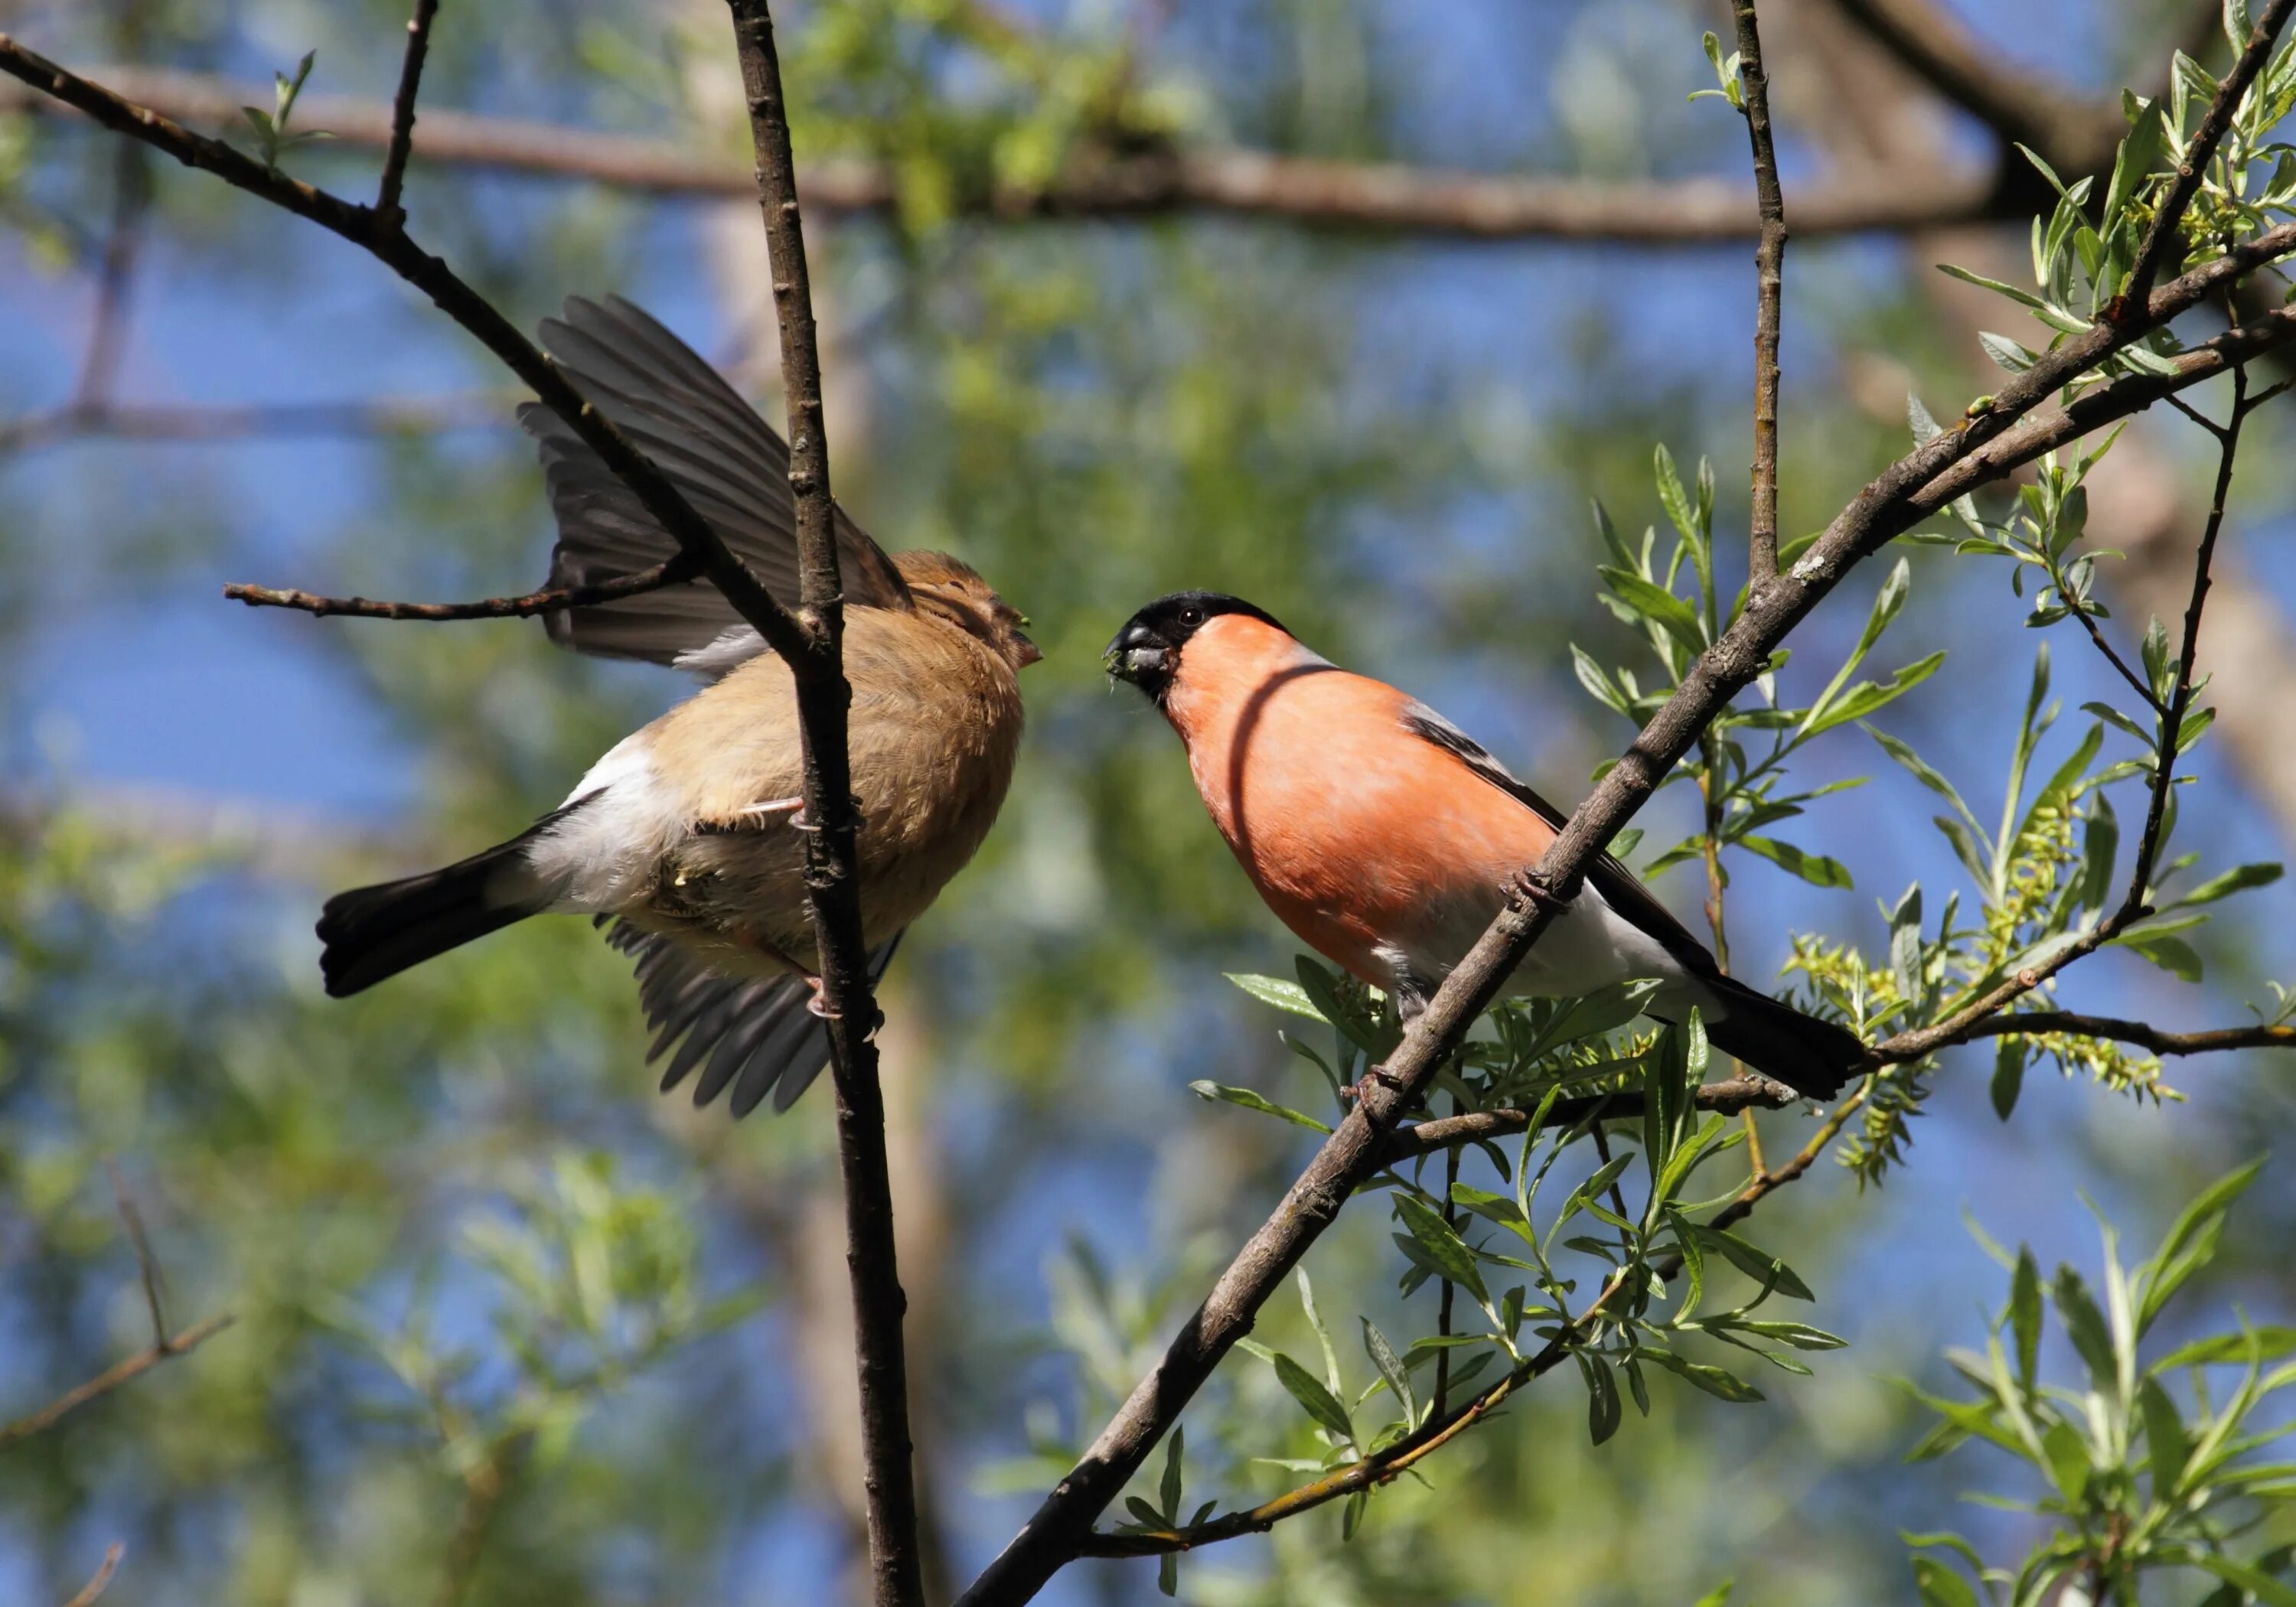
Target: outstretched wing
x: 1620, y: 888
x: 756, y: 1032
x: 728, y: 463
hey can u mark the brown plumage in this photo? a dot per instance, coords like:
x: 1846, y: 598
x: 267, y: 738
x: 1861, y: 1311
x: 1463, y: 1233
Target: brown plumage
x: 687, y: 836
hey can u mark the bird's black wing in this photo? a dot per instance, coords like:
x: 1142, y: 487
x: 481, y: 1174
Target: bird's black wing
x: 755, y: 1033
x: 1620, y: 888
x: 728, y: 463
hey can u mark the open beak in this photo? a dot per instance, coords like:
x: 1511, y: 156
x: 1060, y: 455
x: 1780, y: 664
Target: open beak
x: 1137, y: 655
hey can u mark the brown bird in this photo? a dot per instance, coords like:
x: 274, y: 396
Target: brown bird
x: 1385, y: 837
x: 687, y: 836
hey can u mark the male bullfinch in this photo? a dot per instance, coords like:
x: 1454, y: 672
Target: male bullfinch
x: 1384, y: 836
x: 687, y: 836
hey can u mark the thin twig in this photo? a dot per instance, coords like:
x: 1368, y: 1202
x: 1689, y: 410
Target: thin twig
x: 94, y: 1587
x: 146, y: 1265
x: 832, y: 861
x: 399, y: 252
x: 1769, y: 291
x: 197, y: 423
x: 111, y: 1378
x: 107, y: 336
x: 401, y: 145
x: 673, y: 571
x: 2143, y: 1035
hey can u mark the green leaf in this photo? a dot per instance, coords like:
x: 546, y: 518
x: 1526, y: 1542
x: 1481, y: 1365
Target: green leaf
x: 1251, y: 1101
x: 2025, y: 1315
x: 1758, y: 1265
x: 1652, y: 602
x: 1323, y: 1334
x: 2267, y: 1591
x: 2012, y: 355
x: 1275, y: 991
x: 1719, y: 1597
x: 1169, y: 1490
x: 1603, y: 1411
x: 2085, y: 1325
x: 2171, y: 955
x: 2138, y: 151
x: 1939, y: 1586
x: 1817, y: 869
x: 2239, y: 879
x: 1307, y: 1389
x: 1500, y: 1208
x: 2008, y: 1075
x: 2068, y: 1460
x: 1718, y: 1381
x: 2266, y: 1344
x: 1442, y: 1244
x: 2191, y: 1241
x: 2100, y: 842
x: 1391, y: 1369
x: 2166, y: 1444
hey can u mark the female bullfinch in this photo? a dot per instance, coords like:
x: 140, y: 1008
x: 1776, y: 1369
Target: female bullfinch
x: 687, y: 836
x: 1384, y: 836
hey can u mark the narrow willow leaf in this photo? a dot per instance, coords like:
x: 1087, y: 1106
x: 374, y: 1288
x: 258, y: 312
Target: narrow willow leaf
x: 1603, y: 1411
x: 2264, y: 1344
x: 1251, y: 1101
x: 1939, y: 1586
x: 1718, y: 1381
x: 2239, y: 879
x: 1391, y: 1369
x: 1442, y: 1244
x: 2009, y: 1055
x: 1277, y: 991
x: 1758, y: 1265
x: 1819, y: 870
x: 2025, y: 1315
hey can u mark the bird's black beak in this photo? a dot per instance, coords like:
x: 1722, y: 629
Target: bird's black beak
x: 1142, y: 656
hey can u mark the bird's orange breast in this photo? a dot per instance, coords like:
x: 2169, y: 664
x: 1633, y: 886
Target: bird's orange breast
x: 1357, y: 832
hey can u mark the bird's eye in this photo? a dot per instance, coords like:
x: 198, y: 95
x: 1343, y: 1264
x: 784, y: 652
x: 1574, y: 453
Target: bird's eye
x: 1192, y: 616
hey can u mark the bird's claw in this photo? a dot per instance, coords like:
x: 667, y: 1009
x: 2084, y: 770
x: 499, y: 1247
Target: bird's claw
x: 1359, y: 1090
x: 818, y: 1004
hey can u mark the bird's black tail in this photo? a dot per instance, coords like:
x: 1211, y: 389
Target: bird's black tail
x: 374, y: 932
x: 1808, y: 1055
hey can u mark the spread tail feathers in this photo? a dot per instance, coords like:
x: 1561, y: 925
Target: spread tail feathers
x: 374, y: 932
x: 1808, y: 1055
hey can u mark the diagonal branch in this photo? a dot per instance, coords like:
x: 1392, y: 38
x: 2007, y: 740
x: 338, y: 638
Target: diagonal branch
x: 397, y: 250
x: 1888, y: 507
x: 111, y: 1378
x: 191, y: 422
x: 831, y: 859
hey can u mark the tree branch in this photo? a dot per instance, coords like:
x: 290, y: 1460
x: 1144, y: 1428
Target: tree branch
x: 144, y: 422
x: 1353, y: 198
x: 102, y: 1577
x: 401, y: 143
x: 832, y: 860
x: 672, y: 571
x: 1770, y: 295
x: 111, y: 1378
x: 397, y: 251
x: 2143, y: 1035
x: 1888, y: 506
x: 2077, y: 134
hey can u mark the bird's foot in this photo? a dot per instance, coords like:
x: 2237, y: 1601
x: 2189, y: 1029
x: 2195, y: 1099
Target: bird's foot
x: 1530, y: 888
x: 818, y: 1004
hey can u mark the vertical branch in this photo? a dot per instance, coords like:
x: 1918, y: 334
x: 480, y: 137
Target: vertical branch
x: 1769, y: 283
x: 107, y: 335
x: 823, y: 699
x: 402, y: 115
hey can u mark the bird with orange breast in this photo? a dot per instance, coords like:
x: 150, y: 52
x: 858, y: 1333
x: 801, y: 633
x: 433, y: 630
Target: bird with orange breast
x: 687, y: 836
x: 1385, y: 837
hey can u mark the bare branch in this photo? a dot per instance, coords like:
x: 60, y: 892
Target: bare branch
x: 1769, y: 294
x: 1384, y: 199
x: 2216, y: 1041
x: 832, y: 860
x: 430, y: 274
x: 107, y: 331
x: 197, y: 425
x: 1481, y: 1127
x: 673, y: 571
x: 111, y: 1378
x: 145, y: 1264
x: 94, y: 1587
x: 2077, y: 134
x: 401, y: 144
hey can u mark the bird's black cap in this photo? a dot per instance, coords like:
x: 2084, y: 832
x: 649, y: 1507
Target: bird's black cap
x: 1146, y: 651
